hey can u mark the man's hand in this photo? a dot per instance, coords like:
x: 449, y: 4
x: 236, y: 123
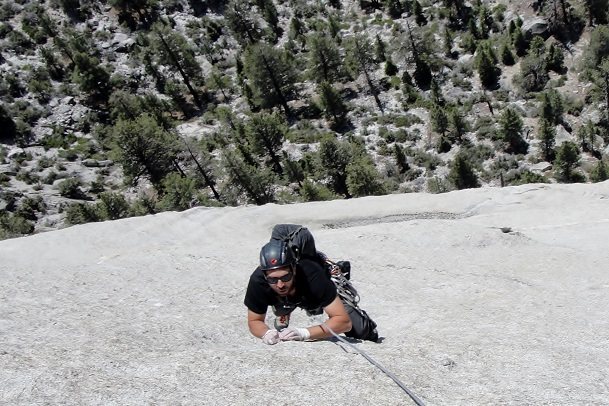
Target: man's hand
x: 271, y: 337
x: 294, y: 334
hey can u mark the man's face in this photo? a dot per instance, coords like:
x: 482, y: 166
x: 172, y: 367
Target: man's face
x: 281, y: 287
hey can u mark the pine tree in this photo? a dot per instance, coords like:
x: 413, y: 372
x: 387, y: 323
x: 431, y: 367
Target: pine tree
x: 293, y: 169
x: 461, y: 174
x: 390, y: 68
x: 379, y: 50
x: 297, y: 30
x: 269, y: 12
x: 170, y: 48
x: 420, y: 49
x: 448, y: 42
x: 555, y: 59
x: 597, y: 49
x: 334, y: 158
x: 507, y: 57
x: 520, y: 42
x: 547, y: 139
x: 436, y: 94
x: 439, y: 120
x: 417, y: 10
x: 485, y: 21
x: 422, y: 74
x: 600, y: 172
x: 324, y: 60
x: 363, y: 179
x: 145, y: 10
x: 271, y: 76
x: 394, y: 8
x: 487, y: 67
x: 256, y: 183
x: 9, y: 129
x: 597, y: 10
x: 91, y: 76
x: 567, y: 159
x: 552, y: 107
x: 144, y: 149
x: 586, y: 135
x: 601, y: 81
x: 331, y: 103
x: 359, y: 60
x: 534, y: 68
x: 457, y: 125
x: 400, y: 159
x: 511, y: 132
x: 242, y: 22
x: 266, y: 133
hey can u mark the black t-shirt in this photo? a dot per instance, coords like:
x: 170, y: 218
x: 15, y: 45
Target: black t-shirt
x: 314, y: 289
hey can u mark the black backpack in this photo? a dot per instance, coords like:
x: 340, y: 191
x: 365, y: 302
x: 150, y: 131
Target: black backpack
x: 300, y: 240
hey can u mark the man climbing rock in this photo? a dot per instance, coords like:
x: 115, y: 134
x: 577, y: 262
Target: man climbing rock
x: 288, y: 278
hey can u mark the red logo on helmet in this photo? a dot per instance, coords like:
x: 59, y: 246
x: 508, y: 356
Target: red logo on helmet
x: 273, y: 261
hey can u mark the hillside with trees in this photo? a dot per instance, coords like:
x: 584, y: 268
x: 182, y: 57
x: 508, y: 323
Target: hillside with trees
x: 118, y: 108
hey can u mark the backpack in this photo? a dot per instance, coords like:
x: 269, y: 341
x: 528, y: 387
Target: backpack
x: 298, y: 238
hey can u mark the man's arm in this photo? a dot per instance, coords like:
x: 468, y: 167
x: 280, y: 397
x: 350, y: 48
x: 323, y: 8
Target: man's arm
x: 338, y: 321
x: 256, y: 323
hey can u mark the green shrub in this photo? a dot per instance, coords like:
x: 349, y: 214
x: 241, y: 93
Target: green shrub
x: 462, y: 82
x: 29, y: 206
x: 400, y: 120
x: 112, y: 206
x: 477, y: 154
x: 31, y: 24
x: 51, y: 177
x: 20, y: 43
x: 179, y: 193
x: 12, y: 225
x: 573, y: 106
x: 7, y: 10
x: 146, y: 204
x: 311, y: 192
x: 438, y: 185
x: 86, y: 148
x: 80, y: 213
x: 426, y: 160
x: 600, y: 172
x: 524, y: 177
x: 71, y: 188
x: 4, y: 179
x: 462, y: 174
x: 39, y: 83
x: 69, y: 155
x: 98, y: 185
x: 45, y: 162
x: 27, y: 176
x: 363, y: 179
x: 390, y: 68
x: 23, y: 132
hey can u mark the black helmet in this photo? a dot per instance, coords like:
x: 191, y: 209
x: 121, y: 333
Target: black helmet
x: 276, y: 254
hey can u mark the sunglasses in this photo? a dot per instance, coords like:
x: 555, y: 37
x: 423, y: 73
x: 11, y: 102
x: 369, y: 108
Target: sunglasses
x: 285, y: 278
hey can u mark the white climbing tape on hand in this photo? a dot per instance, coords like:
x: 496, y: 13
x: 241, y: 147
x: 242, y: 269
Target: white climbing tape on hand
x: 294, y: 334
x: 271, y: 337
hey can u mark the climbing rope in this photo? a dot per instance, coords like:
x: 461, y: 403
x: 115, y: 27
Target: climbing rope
x: 395, y: 379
